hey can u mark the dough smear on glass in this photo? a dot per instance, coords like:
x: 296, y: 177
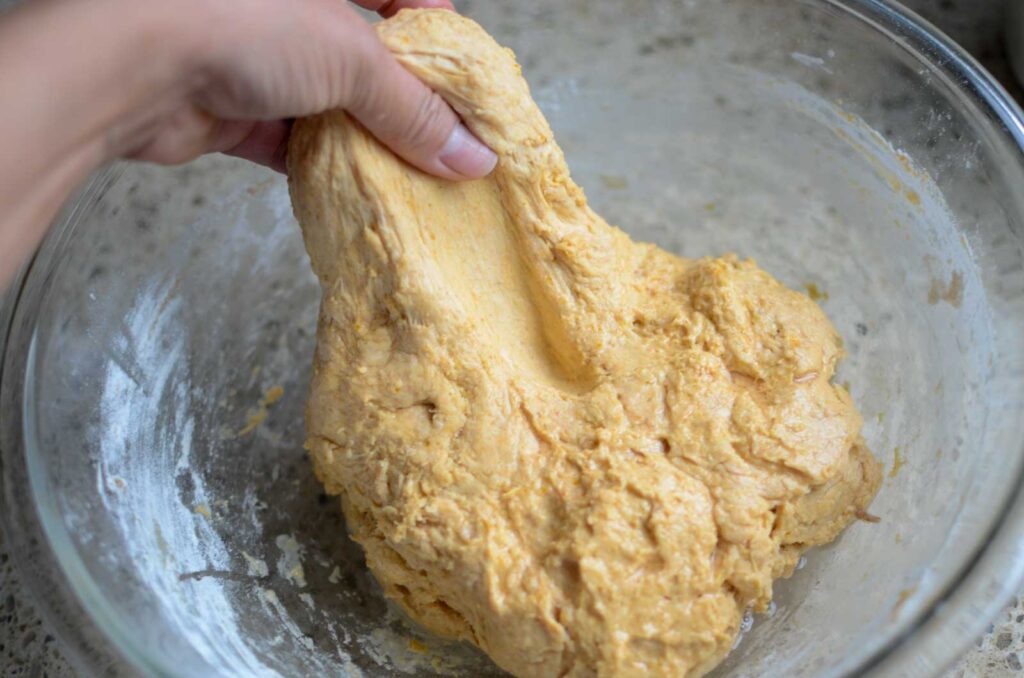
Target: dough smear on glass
x: 581, y: 453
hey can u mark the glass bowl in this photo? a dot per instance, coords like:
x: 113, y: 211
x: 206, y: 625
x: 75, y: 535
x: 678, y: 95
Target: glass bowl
x: 157, y: 349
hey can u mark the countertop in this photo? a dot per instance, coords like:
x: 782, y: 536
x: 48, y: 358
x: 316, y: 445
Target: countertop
x: 28, y: 649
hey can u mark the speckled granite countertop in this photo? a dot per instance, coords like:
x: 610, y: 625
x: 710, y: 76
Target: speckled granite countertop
x: 28, y: 649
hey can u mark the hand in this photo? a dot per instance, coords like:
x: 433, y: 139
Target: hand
x: 262, y: 61
x: 86, y: 81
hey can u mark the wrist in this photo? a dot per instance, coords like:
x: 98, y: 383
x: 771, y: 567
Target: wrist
x: 88, y: 77
x: 82, y: 81
x: 162, y: 65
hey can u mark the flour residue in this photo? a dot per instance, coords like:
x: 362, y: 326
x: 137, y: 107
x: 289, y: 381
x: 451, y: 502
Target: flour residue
x: 951, y: 292
x: 259, y: 414
x: 255, y: 567
x: 289, y: 565
x: 902, y: 599
x: 408, y: 655
x: 897, y: 462
x: 815, y: 292
x: 146, y: 436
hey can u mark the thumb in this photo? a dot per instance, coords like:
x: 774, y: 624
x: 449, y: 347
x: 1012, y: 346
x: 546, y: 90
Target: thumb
x: 411, y: 119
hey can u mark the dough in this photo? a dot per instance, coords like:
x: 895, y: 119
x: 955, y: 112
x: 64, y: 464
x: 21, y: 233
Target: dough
x: 583, y: 454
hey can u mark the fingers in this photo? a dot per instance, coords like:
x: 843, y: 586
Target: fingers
x: 184, y: 135
x: 193, y: 133
x: 265, y: 143
x: 321, y: 56
x: 388, y: 8
x: 411, y: 119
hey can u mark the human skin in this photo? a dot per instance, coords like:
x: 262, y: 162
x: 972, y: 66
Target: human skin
x: 88, y: 81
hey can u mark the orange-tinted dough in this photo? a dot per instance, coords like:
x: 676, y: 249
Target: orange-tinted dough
x: 583, y: 454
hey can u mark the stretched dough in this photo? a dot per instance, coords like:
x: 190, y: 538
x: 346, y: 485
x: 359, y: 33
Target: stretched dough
x: 583, y: 454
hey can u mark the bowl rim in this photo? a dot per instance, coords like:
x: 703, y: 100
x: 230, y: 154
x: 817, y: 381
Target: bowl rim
x: 942, y: 631
x: 991, y: 575
x: 85, y: 643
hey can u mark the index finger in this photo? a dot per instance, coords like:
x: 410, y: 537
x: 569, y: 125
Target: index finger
x: 388, y: 8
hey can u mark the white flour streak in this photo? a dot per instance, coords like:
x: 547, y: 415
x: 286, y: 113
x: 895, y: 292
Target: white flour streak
x: 146, y: 435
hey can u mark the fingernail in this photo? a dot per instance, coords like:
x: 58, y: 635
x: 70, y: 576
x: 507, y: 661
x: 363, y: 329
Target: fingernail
x: 466, y: 155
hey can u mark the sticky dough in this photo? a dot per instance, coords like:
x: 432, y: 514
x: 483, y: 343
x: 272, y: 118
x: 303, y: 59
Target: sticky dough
x: 581, y: 453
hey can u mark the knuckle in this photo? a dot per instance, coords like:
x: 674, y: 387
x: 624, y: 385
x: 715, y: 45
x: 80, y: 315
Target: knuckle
x: 349, y: 77
x: 424, y: 127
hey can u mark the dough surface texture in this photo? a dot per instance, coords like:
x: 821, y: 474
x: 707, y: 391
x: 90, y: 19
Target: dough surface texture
x: 581, y: 453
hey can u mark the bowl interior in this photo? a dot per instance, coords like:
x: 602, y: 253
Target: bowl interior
x: 173, y: 316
